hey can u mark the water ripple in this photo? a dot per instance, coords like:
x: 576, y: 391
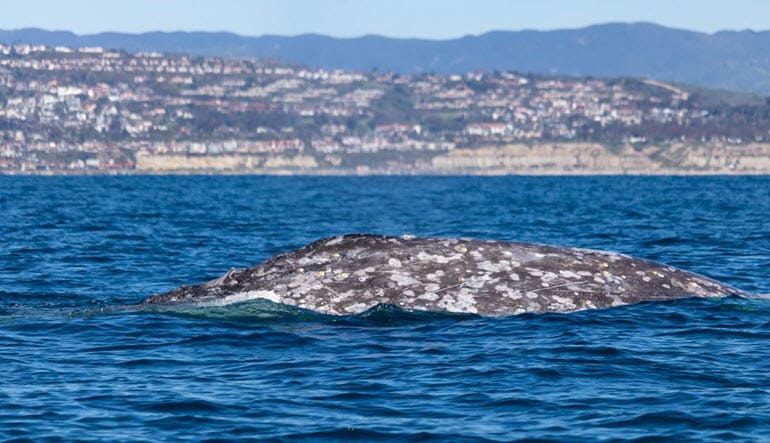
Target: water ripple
x: 80, y: 362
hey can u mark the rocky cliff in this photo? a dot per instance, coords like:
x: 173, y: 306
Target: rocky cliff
x: 524, y: 159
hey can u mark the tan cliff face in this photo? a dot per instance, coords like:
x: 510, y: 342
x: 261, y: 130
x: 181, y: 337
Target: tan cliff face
x: 545, y: 158
x: 591, y: 158
x: 146, y: 162
x: 749, y: 158
x: 525, y: 159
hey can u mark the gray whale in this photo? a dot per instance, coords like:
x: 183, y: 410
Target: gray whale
x: 350, y: 274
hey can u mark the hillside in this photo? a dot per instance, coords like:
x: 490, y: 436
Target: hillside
x: 83, y: 110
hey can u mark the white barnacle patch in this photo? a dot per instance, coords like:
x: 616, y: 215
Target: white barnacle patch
x: 612, y: 278
x: 394, y: 262
x: 303, y: 284
x: 476, y: 281
x: 461, y: 249
x: 356, y: 308
x: 429, y: 296
x: 548, y: 277
x: 462, y: 302
x: 476, y: 255
x: 404, y: 280
x: 508, y: 292
x: 432, y: 287
x: 466, y: 302
x: 315, y: 259
x: 568, y: 274
x: 363, y: 274
x: 514, y: 276
x: 335, y: 241
x: 563, y: 303
x: 424, y: 256
x: 501, y: 266
x: 678, y: 283
x: 342, y: 296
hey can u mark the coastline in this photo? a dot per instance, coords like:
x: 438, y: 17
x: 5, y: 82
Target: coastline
x: 375, y: 173
x: 536, y: 159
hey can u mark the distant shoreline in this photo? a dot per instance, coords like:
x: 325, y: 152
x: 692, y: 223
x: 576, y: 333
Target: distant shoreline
x: 539, y: 159
x: 339, y: 173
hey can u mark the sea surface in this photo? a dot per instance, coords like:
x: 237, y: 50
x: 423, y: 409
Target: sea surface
x: 79, y: 362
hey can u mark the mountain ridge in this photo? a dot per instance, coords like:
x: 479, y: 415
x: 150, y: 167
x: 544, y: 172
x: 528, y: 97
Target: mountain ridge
x: 736, y: 60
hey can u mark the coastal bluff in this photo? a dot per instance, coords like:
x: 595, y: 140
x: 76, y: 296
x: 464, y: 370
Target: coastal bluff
x: 541, y: 158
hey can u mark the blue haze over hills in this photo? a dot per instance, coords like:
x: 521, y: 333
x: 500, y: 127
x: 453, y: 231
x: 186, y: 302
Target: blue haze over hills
x: 737, y: 60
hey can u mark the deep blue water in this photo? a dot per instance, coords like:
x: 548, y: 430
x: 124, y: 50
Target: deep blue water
x: 77, y: 364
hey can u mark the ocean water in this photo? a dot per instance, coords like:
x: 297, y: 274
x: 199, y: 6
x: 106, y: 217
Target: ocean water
x: 78, y: 362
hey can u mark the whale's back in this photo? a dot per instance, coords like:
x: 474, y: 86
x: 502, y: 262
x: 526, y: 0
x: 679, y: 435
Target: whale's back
x: 352, y: 273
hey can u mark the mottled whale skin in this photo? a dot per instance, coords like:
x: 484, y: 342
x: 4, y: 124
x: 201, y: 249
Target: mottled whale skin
x: 350, y: 274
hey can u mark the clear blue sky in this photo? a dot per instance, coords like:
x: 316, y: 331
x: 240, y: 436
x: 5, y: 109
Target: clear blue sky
x: 396, y: 18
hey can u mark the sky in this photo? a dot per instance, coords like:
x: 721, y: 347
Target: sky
x: 432, y: 19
